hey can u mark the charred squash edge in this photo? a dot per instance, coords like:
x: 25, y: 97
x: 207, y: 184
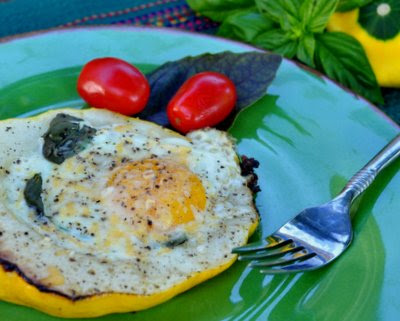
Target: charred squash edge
x: 16, y: 287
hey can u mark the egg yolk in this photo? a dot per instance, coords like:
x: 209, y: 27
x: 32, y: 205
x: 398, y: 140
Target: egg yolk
x: 160, y: 192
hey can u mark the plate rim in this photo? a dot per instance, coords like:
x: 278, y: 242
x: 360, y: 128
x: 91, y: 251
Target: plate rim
x: 176, y: 31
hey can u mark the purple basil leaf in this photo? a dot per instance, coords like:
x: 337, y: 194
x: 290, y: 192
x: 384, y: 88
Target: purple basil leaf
x: 251, y: 72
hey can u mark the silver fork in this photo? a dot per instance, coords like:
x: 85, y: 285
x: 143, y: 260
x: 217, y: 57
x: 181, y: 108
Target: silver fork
x: 317, y: 235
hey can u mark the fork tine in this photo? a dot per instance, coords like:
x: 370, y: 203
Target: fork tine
x: 304, y: 265
x: 263, y: 254
x: 270, y: 242
x: 299, y: 255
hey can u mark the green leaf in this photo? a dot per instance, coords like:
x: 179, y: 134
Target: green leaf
x: 315, y: 14
x: 175, y: 240
x: 245, y: 25
x: 278, y: 9
x: 251, y: 72
x: 305, y: 49
x: 342, y: 58
x: 33, y: 194
x: 284, y: 12
x: 279, y: 41
x: 65, y: 138
x: 381, y: 19
x: 347, y: 5
x: 218, y: 10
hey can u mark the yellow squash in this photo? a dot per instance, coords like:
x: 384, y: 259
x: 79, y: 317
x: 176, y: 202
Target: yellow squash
x: 382, y: 54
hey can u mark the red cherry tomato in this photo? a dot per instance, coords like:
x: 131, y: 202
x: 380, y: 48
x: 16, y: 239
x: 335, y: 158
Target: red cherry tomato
x: 205, y: 99
x: 113, y: 84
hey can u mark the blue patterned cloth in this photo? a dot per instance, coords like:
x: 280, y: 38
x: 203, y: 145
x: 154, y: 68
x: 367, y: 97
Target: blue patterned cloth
x: 19, y: 16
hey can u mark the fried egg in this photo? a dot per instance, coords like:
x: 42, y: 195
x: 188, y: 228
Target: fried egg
x: 139, y: 210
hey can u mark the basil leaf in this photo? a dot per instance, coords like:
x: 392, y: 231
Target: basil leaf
x: 218, y: 10
x: 342, y: 58
x: 279, y: 10
x: 306, y: 48
x: 315, y: 14
x: 285, y: 12
x: 347, y: 5
x: 251, y: 72
x: 279, y: 41
x: 32, y: 194
x: 176, y: 240
x: 245, y: 25
x: 65, y: 138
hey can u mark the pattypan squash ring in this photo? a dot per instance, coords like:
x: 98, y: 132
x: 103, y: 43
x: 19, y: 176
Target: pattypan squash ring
x: 376, y: 26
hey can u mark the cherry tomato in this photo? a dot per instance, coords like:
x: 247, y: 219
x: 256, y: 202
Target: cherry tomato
x: 113, y: 84
x: 204, y: 99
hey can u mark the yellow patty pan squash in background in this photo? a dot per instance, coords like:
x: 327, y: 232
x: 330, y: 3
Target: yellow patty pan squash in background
x: 378, y: 30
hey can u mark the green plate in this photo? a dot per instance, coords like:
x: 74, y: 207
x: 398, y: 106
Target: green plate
x: 309, y: 135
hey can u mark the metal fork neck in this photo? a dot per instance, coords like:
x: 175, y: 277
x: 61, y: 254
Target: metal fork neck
x: 363, y: 178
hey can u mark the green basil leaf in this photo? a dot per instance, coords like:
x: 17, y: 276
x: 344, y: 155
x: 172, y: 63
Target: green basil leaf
x: 284, y: 12
x: 347, y: 5
x: 33, y: 194
x: 66, y: 138
x: 245, y: 25
x: 305, y: 49
x: 279, y: 10
x: 381, y: 19
x: 279, y: 41
x: 218, y: 10
x: 175, y: 240
x: 342, y: 58
x: 315, y: 14
x: 251, y: 72
x: 291, y: 24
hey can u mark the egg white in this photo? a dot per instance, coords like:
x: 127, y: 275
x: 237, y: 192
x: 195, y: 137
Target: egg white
x: 86, y: 239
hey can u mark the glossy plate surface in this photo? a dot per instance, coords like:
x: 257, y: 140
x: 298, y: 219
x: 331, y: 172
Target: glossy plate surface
x: 309, y: 135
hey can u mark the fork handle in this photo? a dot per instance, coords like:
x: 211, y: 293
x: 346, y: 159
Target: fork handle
x: 365, y: 176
